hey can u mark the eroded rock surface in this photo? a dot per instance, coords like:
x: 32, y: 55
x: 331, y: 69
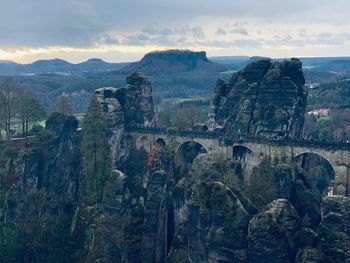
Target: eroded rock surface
x: 334, y: 229
x: 265, y: 98
x: 273, y: 234
x: 129, y: 105
x: 217, y: 225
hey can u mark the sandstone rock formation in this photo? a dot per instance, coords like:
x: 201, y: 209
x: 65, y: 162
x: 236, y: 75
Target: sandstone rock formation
x: 265, y: 98
x: 273, y: 234
x: 156, y: 230
x: 129, y: 105
x: 217, y: 225
x: 334, y: 229
x: 202, y: 205
x: 40, y: 194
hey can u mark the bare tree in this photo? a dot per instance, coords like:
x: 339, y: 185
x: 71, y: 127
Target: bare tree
x: 7, y: 99
x: 62, y: 105
x: 29, y: 110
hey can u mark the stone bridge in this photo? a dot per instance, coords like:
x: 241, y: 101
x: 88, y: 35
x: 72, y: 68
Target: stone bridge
x: 287, y: 150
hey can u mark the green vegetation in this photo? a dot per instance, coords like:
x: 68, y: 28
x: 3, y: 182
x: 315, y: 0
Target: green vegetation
x: 183, y: 115
x: 96, y: 152
x: 30, y: 111
x: 336, y: 126
x: 19, y: 110
x: 330, y: 95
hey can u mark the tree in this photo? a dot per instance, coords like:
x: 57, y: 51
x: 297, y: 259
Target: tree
x: 186, y: 117
x: 153, y: 160
x: 7, y: 99
x: 30, y: 110
x: 96, y: 151
x: 62, y: 105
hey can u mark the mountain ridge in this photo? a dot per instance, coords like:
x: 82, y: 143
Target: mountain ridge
x: 8, y: 67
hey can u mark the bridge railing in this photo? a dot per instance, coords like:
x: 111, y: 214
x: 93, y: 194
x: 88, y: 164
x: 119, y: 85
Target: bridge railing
x: 173, y: 132
x: 226, y: 140
x: 294, y: 143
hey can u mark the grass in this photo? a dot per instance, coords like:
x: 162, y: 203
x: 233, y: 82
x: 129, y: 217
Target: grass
x: 17, y: 126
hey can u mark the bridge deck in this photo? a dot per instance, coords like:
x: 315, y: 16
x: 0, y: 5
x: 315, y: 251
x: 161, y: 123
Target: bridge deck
x: 224, y: 140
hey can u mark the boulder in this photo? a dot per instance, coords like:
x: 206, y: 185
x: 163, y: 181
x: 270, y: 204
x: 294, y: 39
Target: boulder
x: 334, y: 229
x: 273, y: 234
x: 312, y: 255
x: 217, y: 225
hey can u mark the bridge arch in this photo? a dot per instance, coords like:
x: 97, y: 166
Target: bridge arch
x: 160, y: 142
x: 185, y: 154
x: 241, y: 151
x: 314, y: 169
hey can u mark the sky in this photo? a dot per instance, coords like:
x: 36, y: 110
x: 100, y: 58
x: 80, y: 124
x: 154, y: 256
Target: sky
x: 124, y: 30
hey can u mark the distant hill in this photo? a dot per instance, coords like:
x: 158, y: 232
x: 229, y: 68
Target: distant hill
x: 56, y: 66
x: 174, y: 61
x: 336, y: 65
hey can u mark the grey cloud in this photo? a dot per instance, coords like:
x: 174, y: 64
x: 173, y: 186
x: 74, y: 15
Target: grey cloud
x: 197, y: 32
x: 163, y: 41
x: 239, y: 30
x: 154, y: 31
x: 215, y: 43
x: 238, y: 43
x: 107, y: 39
x: 220, y: 31
x: 79, y: 22
x: 302, y: 32
x: 325, y: 35
x: 83, y: 23
x: 324, y: 38
x: 163, y: 36
x: 137, y: 39
x: 247, y: 43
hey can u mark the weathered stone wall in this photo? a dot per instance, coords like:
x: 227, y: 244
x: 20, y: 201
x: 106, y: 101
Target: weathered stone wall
x: 339, y: 159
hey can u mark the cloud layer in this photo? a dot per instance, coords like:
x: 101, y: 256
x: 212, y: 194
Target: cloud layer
x: 123, y: 30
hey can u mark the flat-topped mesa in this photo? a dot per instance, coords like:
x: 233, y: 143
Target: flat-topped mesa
x: 265, y: 98
x: 174, y: 62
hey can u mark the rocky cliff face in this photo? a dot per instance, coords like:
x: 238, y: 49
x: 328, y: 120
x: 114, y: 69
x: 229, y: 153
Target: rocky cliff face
x: 334, y: 229
x: 40, y: 195
x: 274, y: 233
x: 195, y: 206
x: 129, y: 105
x: 265, y: 98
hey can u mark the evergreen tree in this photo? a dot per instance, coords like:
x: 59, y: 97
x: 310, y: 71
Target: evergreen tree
x: 96, y: 152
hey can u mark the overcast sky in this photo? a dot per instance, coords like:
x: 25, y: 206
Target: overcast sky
x: 124, y: 30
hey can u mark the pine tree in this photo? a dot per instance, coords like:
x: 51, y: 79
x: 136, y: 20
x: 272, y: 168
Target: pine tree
x: 96, y: 152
